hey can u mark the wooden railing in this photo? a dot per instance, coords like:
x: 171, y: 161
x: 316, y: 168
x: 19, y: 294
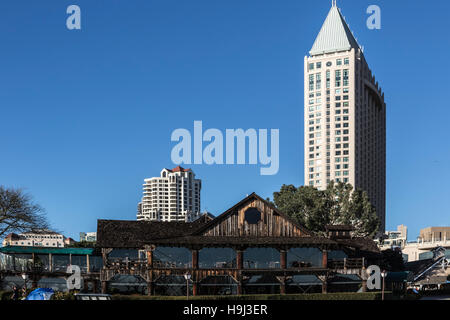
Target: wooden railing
x: 346, y: 263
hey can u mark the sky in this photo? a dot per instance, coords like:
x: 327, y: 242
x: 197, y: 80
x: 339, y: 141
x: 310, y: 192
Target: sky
x: 86, y: 115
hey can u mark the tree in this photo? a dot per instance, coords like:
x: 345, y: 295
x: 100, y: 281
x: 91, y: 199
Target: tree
x: 339, y: 204
x: 18, y: 212
x: 392, y: 260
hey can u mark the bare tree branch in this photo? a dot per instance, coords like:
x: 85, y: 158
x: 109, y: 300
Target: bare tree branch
x: 18, y: 212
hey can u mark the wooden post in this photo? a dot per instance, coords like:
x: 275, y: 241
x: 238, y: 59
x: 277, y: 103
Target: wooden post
x: 95, y: 286
x: 104, y: 286
x: 149, y: 288
x: 364, y: 286
x: 105, y: 252
x: 239, y: 259
x: 150, y: 259
x: 194, y: 288
x: 283, y: 259
x: 50, y: 262
x: 14, y: 262
x: 325, y: 259
x: 239, y: 266
x: 283, y: 285
x: 325, y: 285
x: 194, y: 259
x: 88, y: 264
x: 85, y: 284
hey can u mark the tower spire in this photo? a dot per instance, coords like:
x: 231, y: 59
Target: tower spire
x: 333, y: 3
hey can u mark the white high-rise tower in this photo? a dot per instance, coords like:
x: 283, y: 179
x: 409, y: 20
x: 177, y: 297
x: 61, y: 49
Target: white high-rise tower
x: 345, y: 115
x: 173, y: 196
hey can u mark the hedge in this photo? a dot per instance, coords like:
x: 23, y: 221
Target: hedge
x: 312, y: 296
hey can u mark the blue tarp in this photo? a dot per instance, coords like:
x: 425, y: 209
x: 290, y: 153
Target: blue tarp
x: 40, y: 294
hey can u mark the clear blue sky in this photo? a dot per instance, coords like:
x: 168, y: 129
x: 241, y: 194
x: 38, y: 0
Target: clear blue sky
x: 87, y: 115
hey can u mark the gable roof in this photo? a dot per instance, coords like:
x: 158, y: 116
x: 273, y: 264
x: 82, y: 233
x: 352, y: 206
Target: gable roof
x: 334, y: 36
x: 232, y: 210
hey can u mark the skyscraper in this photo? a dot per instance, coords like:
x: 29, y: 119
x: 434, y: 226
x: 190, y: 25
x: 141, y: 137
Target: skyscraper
x: 345, y: 115
x: 173, y: 196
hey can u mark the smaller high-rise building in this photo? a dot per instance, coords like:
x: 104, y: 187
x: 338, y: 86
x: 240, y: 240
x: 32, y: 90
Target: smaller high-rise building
x: 173, y: 196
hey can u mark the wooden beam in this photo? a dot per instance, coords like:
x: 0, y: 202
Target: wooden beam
x: 194, y: 259
x: 149, y: 258
x: 325, y: 258
x: 283, y: 259
x: 50, y: 262
x: 239, y: 259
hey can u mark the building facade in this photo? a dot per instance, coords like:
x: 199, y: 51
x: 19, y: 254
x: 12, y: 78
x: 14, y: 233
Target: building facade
x: 394, y: 239
x: 173, y: 196
x: 35, y: 239
x: 251, y: 248
x: 345, y: 115
x: 88, y: 236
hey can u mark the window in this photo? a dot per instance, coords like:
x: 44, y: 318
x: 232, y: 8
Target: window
x: 346, y: 61
x: 318, y: 65
x: 311, y: 82
x: 339, y: 62
x: 318, y: 81
x: 311, y: 66
x: 338, y: 78
x: 328, y: 80
x: 252, y: 215
x: 346, y: 77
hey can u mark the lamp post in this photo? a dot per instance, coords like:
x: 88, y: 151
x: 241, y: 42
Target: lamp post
x: 383, y: 275
x: 24, y: 277
x: 187, y: 276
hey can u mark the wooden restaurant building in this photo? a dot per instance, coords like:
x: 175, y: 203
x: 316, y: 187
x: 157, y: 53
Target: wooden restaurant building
x: 251, y: 248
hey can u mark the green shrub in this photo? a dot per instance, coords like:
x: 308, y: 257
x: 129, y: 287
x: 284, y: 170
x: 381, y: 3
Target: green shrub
x: 313, y: 296
x: 63, y: 296
x: 5, y: 295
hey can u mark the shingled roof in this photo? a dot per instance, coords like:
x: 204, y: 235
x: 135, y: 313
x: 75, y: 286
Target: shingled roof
x: 136, y: 234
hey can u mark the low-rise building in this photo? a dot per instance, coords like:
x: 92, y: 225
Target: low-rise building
x: 38, y: 238
x: 394, y: 239
x: 88, y: 236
